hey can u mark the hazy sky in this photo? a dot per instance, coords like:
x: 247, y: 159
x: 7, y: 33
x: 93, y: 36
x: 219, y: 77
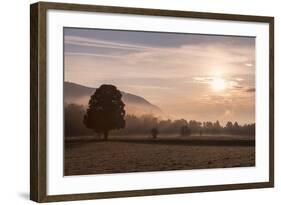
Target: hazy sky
x: 201, y: 77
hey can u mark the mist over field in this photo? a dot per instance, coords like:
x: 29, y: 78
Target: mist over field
x: 141, y: 117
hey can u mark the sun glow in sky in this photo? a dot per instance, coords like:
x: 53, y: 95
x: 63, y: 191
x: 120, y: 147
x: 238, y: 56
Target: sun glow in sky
x: 218, y: 84
x: 200, y: 77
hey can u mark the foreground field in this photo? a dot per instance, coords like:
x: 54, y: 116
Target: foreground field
x: 119, y: 155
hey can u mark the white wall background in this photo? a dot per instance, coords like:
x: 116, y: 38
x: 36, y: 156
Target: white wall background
x: 14, y: 102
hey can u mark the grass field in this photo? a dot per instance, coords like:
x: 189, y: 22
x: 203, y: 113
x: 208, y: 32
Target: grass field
x: 139, y: 154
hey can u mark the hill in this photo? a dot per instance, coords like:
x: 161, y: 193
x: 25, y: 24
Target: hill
x: 134, y: 104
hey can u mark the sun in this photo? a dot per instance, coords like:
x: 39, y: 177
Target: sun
x: 218, y: 84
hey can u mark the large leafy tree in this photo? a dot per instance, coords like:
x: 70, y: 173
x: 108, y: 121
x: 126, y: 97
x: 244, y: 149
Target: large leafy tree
x: 105, y: 110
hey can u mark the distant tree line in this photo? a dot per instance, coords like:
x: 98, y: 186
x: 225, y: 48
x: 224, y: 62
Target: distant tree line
x: 73, y: 121
x: 150, y: 125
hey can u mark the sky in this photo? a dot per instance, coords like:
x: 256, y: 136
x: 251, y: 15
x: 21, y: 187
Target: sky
x: 189, y: 76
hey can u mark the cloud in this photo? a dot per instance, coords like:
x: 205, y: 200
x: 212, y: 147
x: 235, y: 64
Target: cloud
x: 160, y: 39
x: 217, y: 54
x: 91, y: 55
x: 173, y: 77
x: 230, y: 82
x: 202, y: 79
x: 249, y: 64
x: 250, y: 90
x: 92, y: 42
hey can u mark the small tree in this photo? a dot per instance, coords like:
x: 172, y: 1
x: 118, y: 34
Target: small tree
x: 185, y: 131
x: 229, y: 125
x: 154, y: 132
x: 105, y: 110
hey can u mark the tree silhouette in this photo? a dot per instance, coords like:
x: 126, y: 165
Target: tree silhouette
x: 105, y: 110
x: 185, y: 131
x: 73, y: 120
x: 229, y: 125
x: 154, y: 132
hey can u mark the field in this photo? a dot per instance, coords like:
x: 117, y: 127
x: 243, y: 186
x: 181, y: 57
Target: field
x: 139, y: 154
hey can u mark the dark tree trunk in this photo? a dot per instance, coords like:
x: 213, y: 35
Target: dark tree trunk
x: 105, y: 134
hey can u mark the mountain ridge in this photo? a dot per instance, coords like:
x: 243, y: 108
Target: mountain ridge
x: 80, y: 94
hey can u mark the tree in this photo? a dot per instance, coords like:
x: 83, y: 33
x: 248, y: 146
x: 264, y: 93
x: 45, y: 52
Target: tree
x: 208, y: 125
x: 195, y: 126
x: 105, y: 110
x: 73, y: 121
x: 216, y: 127
x: 236, y: 125
x: 154, y: 132
x: 185, y: 131
x: 229, y: 125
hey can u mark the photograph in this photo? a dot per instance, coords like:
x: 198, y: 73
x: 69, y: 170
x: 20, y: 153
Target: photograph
x: 142, y: 101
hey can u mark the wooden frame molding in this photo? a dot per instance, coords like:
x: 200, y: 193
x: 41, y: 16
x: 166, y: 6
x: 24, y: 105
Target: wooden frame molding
x: 38, y: 173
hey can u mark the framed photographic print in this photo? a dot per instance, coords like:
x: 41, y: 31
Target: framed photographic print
x: 134, y: 102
